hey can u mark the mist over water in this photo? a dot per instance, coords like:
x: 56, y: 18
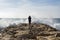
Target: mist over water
x: 54, y: 22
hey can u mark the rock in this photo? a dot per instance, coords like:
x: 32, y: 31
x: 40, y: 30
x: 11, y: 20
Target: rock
x: 22, y: 32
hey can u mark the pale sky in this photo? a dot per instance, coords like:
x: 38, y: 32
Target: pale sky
x: 24, y: 8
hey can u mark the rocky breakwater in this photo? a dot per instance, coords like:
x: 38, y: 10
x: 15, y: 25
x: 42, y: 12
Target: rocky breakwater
x: 22, y: 32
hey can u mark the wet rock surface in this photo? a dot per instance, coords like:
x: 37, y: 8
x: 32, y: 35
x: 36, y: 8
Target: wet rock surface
x: 37, y: 32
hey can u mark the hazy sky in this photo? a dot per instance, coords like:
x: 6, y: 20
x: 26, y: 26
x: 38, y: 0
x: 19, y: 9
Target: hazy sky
x: 24, y: 8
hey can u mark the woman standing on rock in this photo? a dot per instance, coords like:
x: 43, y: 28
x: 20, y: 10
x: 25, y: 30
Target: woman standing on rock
x: 29, y: 19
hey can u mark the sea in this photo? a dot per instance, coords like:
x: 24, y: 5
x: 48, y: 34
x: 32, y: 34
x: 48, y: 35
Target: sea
x: 53, y: 22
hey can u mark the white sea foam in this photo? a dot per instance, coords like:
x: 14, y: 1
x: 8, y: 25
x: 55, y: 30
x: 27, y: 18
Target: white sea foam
x: 4, y: 22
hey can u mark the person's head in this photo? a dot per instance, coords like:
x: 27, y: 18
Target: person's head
x: 29, y: 16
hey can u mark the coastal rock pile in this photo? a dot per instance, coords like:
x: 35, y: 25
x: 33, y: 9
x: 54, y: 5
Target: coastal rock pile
x: 37, y: 32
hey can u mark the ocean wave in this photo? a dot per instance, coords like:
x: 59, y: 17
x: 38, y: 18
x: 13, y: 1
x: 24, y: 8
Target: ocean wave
x: 4, y: 22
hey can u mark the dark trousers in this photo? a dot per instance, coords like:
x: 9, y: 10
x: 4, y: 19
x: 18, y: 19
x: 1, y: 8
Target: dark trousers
x: 29, y: 21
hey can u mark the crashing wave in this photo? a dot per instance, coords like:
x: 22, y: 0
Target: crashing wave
x: 4, y: 22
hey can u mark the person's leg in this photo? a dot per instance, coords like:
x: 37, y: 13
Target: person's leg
x: 29, y: 22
